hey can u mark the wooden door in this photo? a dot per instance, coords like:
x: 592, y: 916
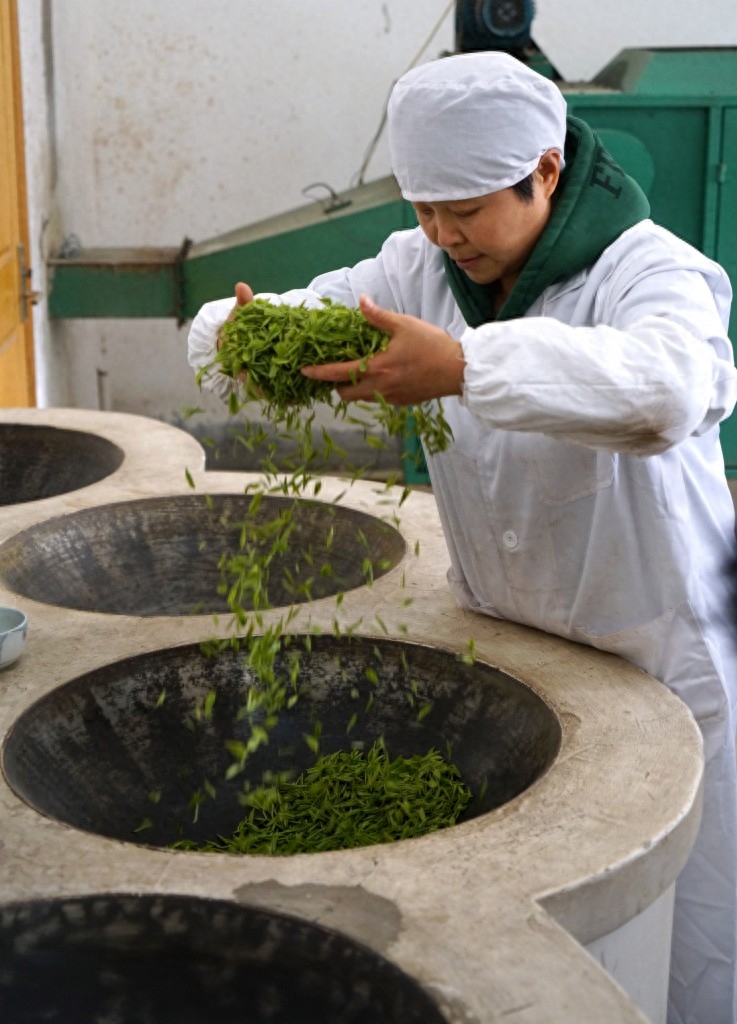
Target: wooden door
x: 17, y: 384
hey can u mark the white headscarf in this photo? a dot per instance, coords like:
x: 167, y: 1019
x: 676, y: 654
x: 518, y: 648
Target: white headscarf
x: 470, y: 124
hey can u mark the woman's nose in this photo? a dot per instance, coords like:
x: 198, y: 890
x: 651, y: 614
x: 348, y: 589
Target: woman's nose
x: 449, y: 234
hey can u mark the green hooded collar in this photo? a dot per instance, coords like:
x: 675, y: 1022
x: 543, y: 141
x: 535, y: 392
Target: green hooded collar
x: 596, y: 202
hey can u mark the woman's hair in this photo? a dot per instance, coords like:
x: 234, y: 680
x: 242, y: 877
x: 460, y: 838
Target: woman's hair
x: 525, y: 189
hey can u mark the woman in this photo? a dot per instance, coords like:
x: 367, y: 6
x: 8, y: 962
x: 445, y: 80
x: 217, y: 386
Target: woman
x: 582, y: 358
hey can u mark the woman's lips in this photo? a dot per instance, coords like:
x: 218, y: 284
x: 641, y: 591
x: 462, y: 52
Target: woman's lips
x: 467, y: 264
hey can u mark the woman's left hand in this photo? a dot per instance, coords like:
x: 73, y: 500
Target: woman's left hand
x: 421, y: 362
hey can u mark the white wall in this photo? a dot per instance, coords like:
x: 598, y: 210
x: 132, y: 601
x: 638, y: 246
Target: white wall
x: 148, y: 122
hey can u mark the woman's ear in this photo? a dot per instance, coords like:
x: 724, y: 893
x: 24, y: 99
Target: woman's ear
x: 548, y: 172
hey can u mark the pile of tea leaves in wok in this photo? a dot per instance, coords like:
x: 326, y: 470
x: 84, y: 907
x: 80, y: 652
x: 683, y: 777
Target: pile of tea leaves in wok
x: 348, y: 799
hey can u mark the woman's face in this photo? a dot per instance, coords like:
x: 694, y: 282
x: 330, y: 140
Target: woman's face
x: 491, y: 237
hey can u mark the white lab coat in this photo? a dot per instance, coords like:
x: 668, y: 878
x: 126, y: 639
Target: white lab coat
x: 584, y: 494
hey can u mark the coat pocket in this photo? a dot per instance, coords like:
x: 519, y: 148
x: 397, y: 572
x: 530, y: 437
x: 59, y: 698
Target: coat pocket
x: 566, y: 472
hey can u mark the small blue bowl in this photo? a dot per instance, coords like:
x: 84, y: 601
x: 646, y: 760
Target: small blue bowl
x: 13, y: 635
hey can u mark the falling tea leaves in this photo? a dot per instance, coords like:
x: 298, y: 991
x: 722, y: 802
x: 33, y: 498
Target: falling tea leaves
x: 346, y: 798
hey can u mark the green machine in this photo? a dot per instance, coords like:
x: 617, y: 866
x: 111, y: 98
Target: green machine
x: 669, y: 117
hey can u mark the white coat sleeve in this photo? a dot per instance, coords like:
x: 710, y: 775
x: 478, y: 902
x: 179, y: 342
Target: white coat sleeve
x: 654, y: 368
x: 202, y: 346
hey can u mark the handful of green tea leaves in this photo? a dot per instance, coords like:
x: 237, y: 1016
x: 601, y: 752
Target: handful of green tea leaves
x: 271, y: 343
x: 346, y: 800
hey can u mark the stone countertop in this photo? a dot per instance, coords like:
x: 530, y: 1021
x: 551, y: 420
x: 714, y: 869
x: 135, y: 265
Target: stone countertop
x: 488, y: 915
